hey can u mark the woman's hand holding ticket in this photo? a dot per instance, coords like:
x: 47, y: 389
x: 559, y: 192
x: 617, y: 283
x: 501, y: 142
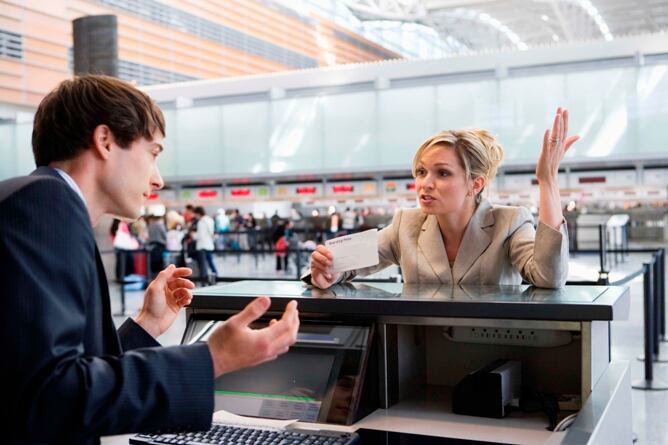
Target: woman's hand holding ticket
x: 321, y: 260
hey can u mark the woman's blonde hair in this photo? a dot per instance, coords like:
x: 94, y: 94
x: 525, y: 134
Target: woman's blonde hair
x: 478, y: 151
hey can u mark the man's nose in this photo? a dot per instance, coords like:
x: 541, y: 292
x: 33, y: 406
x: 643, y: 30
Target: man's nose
x: 156, y: 180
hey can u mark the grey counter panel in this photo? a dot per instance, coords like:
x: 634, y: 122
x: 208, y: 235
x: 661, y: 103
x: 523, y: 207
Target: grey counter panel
x: 571, y: 303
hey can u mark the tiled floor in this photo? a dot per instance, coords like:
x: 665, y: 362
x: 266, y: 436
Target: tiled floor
x: 650, y: 408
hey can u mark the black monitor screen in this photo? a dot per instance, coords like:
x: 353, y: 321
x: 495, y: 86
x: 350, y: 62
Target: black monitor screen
x: 315, y: 381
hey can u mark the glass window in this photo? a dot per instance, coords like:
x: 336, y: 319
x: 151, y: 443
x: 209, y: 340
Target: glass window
x: 25, y: 160
x: 526, y: 109
x: 198, y: 136
x: 7, y: 151
x: 245, y: 137
x: 349, y: 131
x: 599, y: 103
x: 652, y: 114
x: 295, y: 141
x: 406, y: 117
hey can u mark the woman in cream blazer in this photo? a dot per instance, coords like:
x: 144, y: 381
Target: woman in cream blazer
x: 456, y: 236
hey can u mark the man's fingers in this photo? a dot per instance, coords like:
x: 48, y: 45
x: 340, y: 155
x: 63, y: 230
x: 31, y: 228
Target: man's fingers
x: 176, y: 283
x: 286, y: 328
x: 182, y: 293
x: 164, y: 275
x: 182, y: 272
x: 252, y: 311
x: 290, y: 309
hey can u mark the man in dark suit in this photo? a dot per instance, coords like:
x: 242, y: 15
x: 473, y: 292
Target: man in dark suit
x: 67, y: 375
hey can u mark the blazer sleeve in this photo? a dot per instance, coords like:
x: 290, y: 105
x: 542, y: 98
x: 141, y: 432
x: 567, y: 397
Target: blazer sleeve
x: 541, y: 254
x: 133, y: 336
x: 51, y: 387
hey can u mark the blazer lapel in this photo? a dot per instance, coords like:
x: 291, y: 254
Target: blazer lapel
x: 475, y: 240
x: 430, y: 243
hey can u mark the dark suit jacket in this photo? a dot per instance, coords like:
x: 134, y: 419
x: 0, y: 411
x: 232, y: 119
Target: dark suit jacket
x: 65, y: 373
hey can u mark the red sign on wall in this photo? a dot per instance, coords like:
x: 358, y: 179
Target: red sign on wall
x: 306, y: 190
x: 207, y: 194
x: 237, y: 193
x: 343, y: 188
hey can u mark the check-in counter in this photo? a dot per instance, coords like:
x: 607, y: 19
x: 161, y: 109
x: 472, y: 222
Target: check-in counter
x: 386, y: 357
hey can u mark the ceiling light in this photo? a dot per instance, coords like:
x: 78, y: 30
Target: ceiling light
x: 555, y: 37
x: 545, y: 18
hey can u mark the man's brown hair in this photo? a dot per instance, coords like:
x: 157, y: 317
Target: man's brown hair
x: 68, y: 115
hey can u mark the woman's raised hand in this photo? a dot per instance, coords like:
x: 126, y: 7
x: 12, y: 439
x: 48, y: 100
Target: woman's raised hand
x: 556, y: 143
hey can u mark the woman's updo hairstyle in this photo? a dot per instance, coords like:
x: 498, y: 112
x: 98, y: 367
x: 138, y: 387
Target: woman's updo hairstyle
x: 479, y: 153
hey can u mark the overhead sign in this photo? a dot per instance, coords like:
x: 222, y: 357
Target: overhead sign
x: 304, y: 190
x: 351, y: 188
x: 201, y: 194
x: 248, y: 192
x: 398, y: 186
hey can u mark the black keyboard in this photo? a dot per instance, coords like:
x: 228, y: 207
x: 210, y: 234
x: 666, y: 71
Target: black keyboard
x: 222, y: 434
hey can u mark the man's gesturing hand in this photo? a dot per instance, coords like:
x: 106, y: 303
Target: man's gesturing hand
x: 234, y: 345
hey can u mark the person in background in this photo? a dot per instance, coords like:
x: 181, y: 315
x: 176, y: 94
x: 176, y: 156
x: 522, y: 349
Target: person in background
x: 457, y: 236
x: 281, y: 245
x: 348, y: 220
x: 175, y: 235
x: 156, y: 243
x: 123, y: 243
x: 204, y: 243
x: 250, y: 225
x: 334, y: 222
x: 68, y: 376
x: 189, y: 213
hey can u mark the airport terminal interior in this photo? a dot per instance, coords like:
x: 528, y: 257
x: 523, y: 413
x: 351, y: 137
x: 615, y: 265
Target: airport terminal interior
x: 293, y: 122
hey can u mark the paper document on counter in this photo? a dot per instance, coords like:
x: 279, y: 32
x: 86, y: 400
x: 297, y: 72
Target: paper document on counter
x: 228, y: 418
x: 354, y: 251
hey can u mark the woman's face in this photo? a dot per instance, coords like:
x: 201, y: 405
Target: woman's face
x: 441, y: 183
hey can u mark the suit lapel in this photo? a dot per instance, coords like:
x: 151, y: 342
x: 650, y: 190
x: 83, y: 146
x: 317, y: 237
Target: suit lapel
x: 430, y: 243
x: 475, y: 240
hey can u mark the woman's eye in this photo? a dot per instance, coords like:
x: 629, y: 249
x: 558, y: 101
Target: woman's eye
x: 444, y: 173
x: 421, y: 171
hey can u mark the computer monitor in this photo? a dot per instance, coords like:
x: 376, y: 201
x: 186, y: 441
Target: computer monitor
x: 319, y: 379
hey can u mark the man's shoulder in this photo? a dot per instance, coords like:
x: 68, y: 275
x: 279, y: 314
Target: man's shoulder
x: 40, y: 194
x: 12, y: 186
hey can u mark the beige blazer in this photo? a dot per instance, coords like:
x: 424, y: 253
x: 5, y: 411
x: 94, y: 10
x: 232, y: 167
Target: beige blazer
x: 500, y: 246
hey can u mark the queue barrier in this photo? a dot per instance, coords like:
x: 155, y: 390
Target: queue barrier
x: 654, y: 298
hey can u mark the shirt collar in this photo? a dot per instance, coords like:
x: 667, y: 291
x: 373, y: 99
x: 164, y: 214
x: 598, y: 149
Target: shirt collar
x: 73, y: 185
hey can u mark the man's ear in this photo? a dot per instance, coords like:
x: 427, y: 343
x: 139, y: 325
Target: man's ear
x: 103, y: 139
